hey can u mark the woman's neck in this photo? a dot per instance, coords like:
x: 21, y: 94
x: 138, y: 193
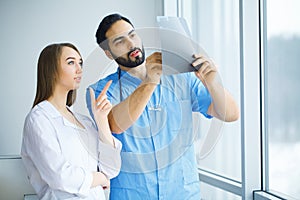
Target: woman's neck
x: 58, y: 100
x: 59, y: 104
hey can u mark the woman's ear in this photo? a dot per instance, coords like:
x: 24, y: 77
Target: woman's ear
x: 108, y: 54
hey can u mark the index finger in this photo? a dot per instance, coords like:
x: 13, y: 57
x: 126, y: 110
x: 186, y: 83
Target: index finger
x: 199, y: 55
x: 103, y: 92
x: 92, y: 96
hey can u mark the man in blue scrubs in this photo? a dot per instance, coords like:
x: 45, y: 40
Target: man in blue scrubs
x: 152, y: 115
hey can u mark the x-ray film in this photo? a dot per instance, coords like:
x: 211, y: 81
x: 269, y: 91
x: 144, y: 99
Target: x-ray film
x: 177, y: 46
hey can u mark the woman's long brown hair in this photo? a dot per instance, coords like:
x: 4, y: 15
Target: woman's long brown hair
x: 47, y: 73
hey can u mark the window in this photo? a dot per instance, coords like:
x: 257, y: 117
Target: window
x: 215, y: 27
x: 282, y: 97
x: 257, y: 45
x: 209, y: 193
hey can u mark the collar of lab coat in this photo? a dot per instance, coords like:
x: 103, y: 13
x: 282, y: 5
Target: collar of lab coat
x: 54, y: 113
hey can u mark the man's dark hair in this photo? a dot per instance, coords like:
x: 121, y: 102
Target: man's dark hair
x: 104, y: 25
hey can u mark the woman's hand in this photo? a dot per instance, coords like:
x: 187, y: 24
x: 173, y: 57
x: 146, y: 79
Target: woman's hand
x: 99, y: 178
x: 100, y: 106
x: 105, y: 182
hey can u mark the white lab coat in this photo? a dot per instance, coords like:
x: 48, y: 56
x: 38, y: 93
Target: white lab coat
x: 60, y: 157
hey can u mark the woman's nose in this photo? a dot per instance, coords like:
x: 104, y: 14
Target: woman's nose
x: 79, y: 68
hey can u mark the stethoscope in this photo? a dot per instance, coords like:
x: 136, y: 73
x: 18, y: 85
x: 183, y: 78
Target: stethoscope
x: 156, y: 107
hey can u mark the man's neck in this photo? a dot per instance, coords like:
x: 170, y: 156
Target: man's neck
x: 139, y: 71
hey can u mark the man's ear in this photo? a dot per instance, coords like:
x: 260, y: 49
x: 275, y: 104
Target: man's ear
x: 108, y: 54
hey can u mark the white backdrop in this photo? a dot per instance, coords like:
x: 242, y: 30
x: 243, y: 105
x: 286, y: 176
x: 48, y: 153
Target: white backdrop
x: 28, y: 26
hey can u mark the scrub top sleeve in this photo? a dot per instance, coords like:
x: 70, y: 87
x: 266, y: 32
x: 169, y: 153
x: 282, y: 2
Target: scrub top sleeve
x: 42, y: 147
x: 110, y: 158
x: 201, y: 98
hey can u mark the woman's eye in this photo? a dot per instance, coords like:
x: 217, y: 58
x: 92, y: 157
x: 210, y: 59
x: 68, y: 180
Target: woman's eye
x: 71, y: 63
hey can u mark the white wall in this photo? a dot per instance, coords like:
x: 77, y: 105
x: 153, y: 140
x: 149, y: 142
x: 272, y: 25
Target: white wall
x: 26, y: 28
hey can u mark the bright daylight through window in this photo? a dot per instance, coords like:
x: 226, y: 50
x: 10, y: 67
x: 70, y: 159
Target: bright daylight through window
x: 282, y: 96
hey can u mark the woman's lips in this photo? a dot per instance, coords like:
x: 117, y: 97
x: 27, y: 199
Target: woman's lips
x: 78, y: 79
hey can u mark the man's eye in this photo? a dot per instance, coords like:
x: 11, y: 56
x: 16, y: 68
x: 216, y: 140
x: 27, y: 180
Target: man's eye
x: 119, y: 42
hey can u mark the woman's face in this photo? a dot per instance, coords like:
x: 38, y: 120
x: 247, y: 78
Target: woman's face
x: 70, y: 69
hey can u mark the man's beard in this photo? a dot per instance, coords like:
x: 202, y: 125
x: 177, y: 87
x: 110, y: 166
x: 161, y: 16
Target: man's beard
x: 127, y: 62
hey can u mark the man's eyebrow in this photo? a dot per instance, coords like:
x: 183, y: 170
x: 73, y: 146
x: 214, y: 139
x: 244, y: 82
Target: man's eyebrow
x: 131, y: 31
x: 119, y: 38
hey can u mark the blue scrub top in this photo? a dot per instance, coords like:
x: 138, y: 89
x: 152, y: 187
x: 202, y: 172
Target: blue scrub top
x: 158, y: 158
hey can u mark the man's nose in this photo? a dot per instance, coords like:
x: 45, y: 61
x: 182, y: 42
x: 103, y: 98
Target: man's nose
x: 130, y: 43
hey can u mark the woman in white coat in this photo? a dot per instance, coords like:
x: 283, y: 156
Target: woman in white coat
x: 65, y: 154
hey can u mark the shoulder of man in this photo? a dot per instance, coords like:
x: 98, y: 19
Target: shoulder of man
x: 102, y: 81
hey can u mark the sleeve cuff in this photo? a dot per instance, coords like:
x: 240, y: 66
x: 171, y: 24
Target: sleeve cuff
x: 110, y: 158
x: 86, y: 185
